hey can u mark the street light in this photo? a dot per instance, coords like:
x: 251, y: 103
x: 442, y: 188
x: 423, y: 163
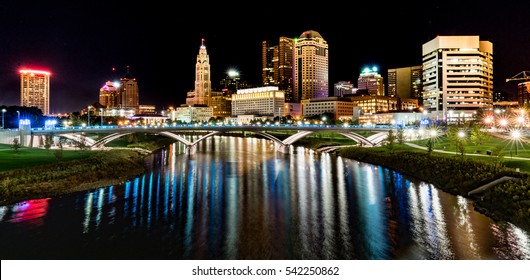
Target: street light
x: 18, y: 115
x: 461, y: 139
x: 88, y: 112
x: 3, y: 111
x: 101, y: 115
x: 516, y: 134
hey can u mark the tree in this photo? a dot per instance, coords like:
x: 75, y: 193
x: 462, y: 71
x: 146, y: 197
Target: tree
x: 430, y: 145
x: 390, y: 140
x: 478, y: 136
x: 16, y: 145
x: 48, y: 140
x: 454, y: 134
x: 400, y: 136
x: 82, y: 144
x: 58, y: 153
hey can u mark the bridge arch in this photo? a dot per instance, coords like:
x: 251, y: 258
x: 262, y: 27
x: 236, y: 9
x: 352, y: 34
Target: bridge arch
x: 186, y: 142
x: 301, y: 134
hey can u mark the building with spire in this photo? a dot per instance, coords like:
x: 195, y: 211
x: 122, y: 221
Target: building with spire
x: 311, y: 77
x: 129, y: 91
x: 203, y: 85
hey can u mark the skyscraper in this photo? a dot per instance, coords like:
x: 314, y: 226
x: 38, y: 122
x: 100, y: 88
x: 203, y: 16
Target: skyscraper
x: 406, y: 82
x: 203, y: 85
x: 370, y: 82
x: 109, y: 95
x: 310, y: 67
x: 129, y: 91
x: 277, y: 66
x: 35, y: 89
x: 457, y: 76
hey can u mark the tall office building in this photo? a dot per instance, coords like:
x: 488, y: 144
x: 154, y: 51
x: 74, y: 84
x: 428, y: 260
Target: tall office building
x: 457, y: 76
x: 109, y: 95
x: 310, y: 67
x: 129, y: 91
x: 203, y: 85
x: 371, y: 82
x: 277, y: 65
x: 35, y: 89
x: 406, y: 82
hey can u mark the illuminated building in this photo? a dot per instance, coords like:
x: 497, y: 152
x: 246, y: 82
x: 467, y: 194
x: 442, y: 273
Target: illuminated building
x: 371, y: 82
x: 457, y: 76
x: 261, y: 101
x: 371, y: 104
x: 192, y: 113
x: 406, y: 82
x: 109, y: 95
x: 310, y: 67
x: 340, y: 107
x: 221, y: 103
x: 146, y: 110
x: 203, y: 85
x: 129, y: 91
x: 35, y: 89
x: 277, y: 65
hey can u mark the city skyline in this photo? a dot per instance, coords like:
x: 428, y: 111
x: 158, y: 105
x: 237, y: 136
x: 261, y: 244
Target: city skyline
x: 80, y: 44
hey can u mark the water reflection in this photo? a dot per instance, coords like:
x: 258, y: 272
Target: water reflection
x: 237, y: 198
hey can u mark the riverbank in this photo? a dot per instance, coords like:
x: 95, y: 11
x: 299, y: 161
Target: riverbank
x: 99, y: 169
x: 509, y: 201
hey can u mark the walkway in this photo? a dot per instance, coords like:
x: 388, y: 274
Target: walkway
x: 467, y: 154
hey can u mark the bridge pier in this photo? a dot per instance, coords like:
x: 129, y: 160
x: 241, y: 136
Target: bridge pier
x: 191, y: 149
x: 284, y: 149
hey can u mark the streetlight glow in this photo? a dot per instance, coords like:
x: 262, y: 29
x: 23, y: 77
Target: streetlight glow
x: 516, y: 135
x: 3, y: 112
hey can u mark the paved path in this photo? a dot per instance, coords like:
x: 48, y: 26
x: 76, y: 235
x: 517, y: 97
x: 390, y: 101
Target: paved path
x: 467, y: 154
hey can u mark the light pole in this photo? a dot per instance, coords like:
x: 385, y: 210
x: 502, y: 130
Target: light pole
x: 3, y: 112
x: 88, y: 112
x: 516, y: 134
x: 101, y: 115
x: 461, y: 145
x: 18, y: 118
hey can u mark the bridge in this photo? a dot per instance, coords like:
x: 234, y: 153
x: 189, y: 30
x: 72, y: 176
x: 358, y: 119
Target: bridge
x: 78, y: 134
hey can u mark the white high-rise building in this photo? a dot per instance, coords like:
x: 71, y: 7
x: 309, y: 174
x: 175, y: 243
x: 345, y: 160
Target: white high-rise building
x: 311, y: 77
x: 203, y: 84
x: 457, y: 77
x: 35, y: 89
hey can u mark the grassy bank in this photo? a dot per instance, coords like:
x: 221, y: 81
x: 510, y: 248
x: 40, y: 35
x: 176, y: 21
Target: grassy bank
x: 30, y: 157
x: 36, y: 173
x: 97, y: 169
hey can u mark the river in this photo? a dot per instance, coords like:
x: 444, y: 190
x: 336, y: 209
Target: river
x: 237, y: 198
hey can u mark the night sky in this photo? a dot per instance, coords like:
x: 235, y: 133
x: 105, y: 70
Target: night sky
x: 80, y: 42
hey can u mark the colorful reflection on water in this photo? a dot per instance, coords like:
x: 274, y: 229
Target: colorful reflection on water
x: 237, y: 198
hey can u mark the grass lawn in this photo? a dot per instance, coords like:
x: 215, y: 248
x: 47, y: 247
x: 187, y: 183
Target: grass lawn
x: 496, y: 146
x: 29, y: 157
